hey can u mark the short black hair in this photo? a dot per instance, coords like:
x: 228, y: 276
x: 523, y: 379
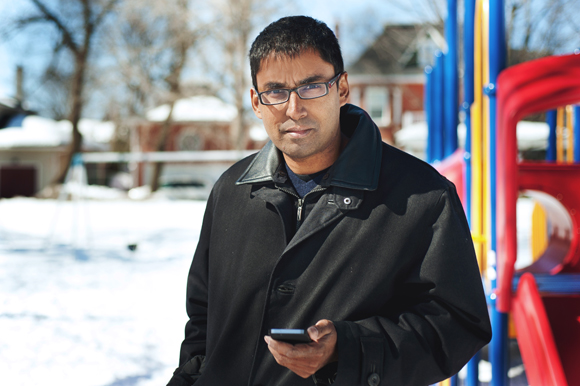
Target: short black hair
x: 292, y: 35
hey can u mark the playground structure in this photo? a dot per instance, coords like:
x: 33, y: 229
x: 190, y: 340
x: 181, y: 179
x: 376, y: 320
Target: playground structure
x: 543, y: 299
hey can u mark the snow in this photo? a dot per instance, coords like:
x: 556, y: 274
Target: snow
x: 43, y: 132
x: 77, y: 307
x: 258, y: 133
x: 195, y: 109
x: 531, y: 135
x: 35, y: 131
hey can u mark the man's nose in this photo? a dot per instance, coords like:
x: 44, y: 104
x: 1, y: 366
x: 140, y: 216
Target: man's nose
x: 295, y: 109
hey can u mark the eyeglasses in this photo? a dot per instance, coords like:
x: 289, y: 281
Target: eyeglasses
x: 308, y: 91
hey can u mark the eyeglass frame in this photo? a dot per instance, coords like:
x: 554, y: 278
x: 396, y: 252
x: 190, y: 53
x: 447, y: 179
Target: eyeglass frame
x: 328, y: 85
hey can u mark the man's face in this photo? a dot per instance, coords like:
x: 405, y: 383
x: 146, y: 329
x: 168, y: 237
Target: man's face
x: 305, y: 130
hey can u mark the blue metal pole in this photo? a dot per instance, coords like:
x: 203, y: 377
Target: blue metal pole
x: 453, y: 381
x: 577, y: 134
x: 451, y: 81
x: 428, y: 101
x: 468, y: 94
x: 497, y: 61
x: 438, y: 94
x: 472, y: 378
x: 551, y: 120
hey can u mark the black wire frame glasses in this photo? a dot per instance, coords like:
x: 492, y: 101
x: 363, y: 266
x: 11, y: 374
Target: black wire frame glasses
x: 307, y: 91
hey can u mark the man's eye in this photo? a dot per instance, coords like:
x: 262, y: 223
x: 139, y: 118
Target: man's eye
x: 315, y: 86
x: 276, y: 92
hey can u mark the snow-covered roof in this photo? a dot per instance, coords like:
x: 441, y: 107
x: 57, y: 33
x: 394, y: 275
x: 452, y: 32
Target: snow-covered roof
x: 201, y: 108
x: 258, y: 133
x: 7, y: 101
x: 531, y: 135
x: 43, y: 132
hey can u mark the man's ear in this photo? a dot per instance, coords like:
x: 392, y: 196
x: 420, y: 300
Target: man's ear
x: 343, y: 89
x: 255, y: 103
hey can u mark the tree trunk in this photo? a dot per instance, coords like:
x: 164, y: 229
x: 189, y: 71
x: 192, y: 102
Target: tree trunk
x: 161, y: 143
x: 75, y: 114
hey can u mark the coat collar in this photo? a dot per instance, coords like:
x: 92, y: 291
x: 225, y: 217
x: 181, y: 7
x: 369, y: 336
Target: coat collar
x: 357, y: 167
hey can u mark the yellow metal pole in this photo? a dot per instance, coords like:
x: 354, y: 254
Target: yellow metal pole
x: 477, y: 143
x: 560, y: 135
x: 446, y: 382
x: 539, y: 237
x: 486, y: 185
x: 570, y: 135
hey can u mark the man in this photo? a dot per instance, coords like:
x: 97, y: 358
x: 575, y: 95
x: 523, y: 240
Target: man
x: 328, y: 229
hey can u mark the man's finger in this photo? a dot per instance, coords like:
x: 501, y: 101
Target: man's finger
x: 321, y: 328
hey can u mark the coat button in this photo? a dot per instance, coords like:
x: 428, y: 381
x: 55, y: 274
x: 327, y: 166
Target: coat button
x: 347, y: 200
x: 374, y: 379
x: 325, y: 176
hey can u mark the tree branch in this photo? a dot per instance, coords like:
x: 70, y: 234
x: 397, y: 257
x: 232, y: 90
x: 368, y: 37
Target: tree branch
x: 49, y: 16
x: 106, y: 9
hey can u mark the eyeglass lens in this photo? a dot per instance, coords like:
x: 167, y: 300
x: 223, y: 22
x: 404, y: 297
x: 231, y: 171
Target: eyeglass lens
x: 308, y: 91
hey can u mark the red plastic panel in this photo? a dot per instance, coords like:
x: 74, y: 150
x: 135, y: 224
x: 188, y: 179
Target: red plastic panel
x: 561, y: 181
x: 535, y: 338
x: 523, y: 89
x: 453, y: 168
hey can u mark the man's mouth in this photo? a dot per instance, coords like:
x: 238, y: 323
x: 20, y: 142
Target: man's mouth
x: 298, y: 132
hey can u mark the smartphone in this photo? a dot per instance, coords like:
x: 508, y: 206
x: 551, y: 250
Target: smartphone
x: 290, y: 335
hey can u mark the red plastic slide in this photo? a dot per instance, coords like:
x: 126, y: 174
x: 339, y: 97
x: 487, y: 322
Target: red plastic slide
x: 548, y: 324
x: 539, y: 353
x: 523, y: 89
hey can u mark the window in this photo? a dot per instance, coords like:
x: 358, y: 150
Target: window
x: 355, y: 96
x: 189, y: 140
x: 377, y: 105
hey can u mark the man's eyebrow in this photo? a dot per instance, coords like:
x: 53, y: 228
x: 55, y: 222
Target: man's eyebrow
x: 310, y: 79
x: 274, y: 86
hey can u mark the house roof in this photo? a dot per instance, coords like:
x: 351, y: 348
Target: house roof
x: 200, y: 108
x: 396, y: 50
x: 11, y: 112
x: 39, y: 132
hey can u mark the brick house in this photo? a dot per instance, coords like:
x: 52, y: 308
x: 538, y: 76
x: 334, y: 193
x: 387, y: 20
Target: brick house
x: 198, y: 123
x: 388, y: 79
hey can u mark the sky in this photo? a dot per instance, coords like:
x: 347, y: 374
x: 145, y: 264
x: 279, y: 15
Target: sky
x: 351, y: 15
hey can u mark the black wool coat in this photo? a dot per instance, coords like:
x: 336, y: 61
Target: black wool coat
x: 385, y: 253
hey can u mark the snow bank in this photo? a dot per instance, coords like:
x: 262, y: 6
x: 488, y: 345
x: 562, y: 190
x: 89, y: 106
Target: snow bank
x: 77, y: 307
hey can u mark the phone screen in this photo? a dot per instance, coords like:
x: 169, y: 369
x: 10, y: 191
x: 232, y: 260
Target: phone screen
x: 290, y: 335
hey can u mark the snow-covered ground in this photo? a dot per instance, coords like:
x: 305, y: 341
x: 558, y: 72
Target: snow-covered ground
x: 77, y: 306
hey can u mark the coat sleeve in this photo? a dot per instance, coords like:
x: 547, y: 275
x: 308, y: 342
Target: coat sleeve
x: 193, y: 347
x: 437, y: 321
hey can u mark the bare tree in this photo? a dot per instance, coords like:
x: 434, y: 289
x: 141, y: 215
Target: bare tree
x: 152, y: 46
x: 77, y: 24
x: 236, y: 25
x: 537, y: 28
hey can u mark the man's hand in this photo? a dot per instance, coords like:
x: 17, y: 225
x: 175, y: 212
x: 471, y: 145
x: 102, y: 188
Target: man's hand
x: 307, y: 358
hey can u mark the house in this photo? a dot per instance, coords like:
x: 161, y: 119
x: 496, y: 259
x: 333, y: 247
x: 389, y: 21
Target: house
x: 198, y: 123
x: 388, y: 79
x: 32, y: 153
